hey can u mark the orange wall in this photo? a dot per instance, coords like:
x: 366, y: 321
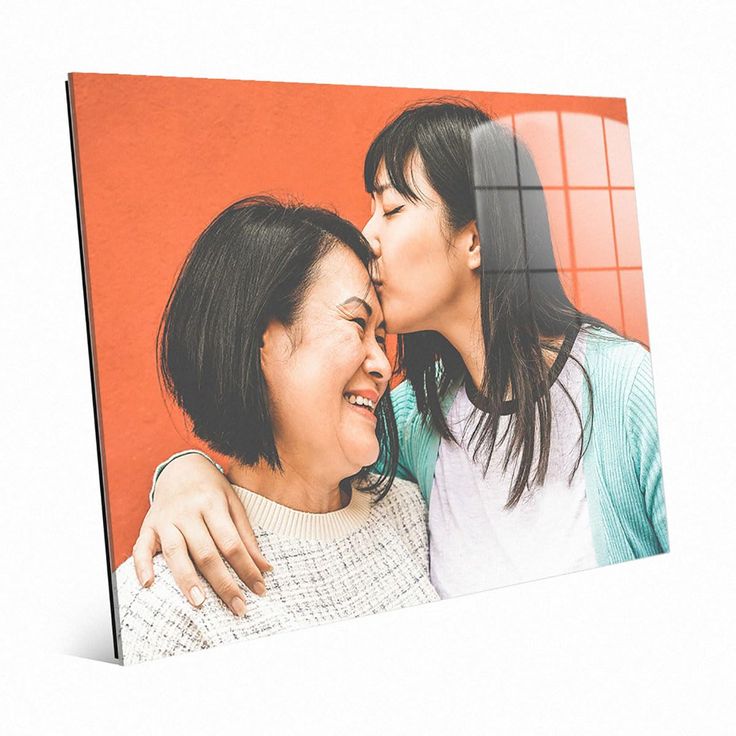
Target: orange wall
x: 157, y: 158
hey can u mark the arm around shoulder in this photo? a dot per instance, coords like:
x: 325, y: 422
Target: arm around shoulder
x: 161, y: 467
x: 404, y: 405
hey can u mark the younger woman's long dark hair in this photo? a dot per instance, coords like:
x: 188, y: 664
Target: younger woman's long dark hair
x: 524, y: 309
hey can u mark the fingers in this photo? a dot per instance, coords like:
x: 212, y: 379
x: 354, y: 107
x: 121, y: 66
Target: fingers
x: 144, y: 549
x: 240, y: 519
x: 197, y: 543
x: 228, y: 540
x: 192, y: 528
x: 174, y: 550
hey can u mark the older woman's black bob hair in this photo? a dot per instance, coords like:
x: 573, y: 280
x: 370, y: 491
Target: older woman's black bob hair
x: 253, y: 263
x: 524, y: 309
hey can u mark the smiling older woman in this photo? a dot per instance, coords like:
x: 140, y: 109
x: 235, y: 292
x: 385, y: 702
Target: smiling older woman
x: 273, y: 343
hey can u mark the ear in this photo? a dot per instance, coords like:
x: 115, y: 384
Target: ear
x: 467, y: 242
x: 273, y: 343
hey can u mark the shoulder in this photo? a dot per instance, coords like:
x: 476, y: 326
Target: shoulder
x: 405, y: 492
x: 156, y: 621
x: 131, y: 595
x: 613, y: 362
x: 403, y: 502
x: 401, y: 517
x: 608, y: 347
x: 404, y: 400
x: 620, y: 373
x: 406, y: 411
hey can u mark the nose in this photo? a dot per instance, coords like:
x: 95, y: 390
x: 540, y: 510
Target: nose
x: 371, y: 235
x: 377, y: 364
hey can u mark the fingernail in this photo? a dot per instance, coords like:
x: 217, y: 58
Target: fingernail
x: 259, y: 588
x: 238, y: 606
x: 147, y: 582
x: 196, y: 596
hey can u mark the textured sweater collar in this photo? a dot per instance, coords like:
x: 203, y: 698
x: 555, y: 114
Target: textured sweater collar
x: 285, y: 522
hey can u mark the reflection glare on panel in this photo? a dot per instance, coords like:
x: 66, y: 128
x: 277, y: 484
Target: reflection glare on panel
x: 584, y: 166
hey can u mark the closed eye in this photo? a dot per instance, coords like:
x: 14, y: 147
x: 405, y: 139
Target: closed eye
x: 394, y: 211
x: 360, y: 322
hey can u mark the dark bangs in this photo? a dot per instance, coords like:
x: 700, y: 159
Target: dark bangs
x: 393, y: 145
x: 439, y: 133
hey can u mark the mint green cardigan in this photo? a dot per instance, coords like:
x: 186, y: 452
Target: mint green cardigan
x: 623, y: 472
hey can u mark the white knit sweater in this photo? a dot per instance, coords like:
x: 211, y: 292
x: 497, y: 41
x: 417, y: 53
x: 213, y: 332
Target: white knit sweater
x: 364, y: 558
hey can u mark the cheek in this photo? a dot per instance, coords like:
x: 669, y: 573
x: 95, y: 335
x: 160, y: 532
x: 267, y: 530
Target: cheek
x: 412, y: 302
x: 415, y: 242
x: 402, y: 246
x: 417, y: 262
x: 329, y: 370
x: 308, y: 386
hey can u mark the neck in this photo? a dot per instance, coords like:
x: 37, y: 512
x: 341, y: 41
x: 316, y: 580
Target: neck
x: 296, y: 487
x: 461, y: 327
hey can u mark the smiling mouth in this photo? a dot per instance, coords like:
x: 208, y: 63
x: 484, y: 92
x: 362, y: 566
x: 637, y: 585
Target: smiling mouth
x: 361, y: 405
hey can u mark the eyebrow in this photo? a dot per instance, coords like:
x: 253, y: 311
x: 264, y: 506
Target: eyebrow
x: 363, y: 303
x: 381, y: 187
x: 358, y: 300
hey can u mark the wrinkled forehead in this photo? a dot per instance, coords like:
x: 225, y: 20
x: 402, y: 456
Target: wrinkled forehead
x: 341, y: 276
x: 365, y: 302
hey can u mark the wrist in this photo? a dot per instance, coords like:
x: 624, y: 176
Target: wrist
x: 188, y: 462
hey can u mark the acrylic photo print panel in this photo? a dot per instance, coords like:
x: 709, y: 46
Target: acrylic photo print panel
x: 403, y: 329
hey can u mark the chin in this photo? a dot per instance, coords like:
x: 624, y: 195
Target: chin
x: 365, y: 456
x: 397, y: 322
x: 391, y: 315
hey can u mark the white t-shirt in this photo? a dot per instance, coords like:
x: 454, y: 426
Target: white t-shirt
x: 475, y: 544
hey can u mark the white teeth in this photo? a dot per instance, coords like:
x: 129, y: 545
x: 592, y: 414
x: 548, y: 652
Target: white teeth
x: 360, y: 400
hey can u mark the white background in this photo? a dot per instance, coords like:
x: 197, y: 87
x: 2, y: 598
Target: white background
x: 645, y: 647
